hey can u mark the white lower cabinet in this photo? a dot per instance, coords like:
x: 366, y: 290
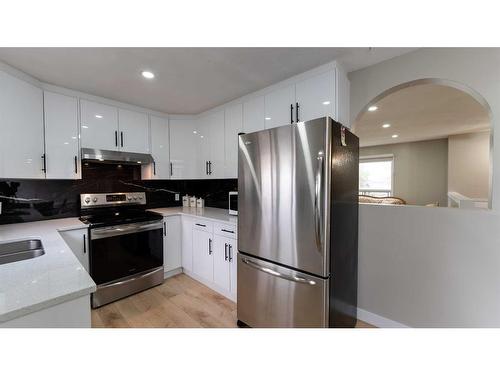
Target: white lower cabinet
x: 172, y: 243
x: 77, y: 240
x: 187, y: 243
x: 203, y: 260
x: 225, y: 263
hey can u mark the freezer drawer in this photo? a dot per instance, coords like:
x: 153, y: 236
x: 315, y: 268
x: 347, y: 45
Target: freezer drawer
x: 274, y: 296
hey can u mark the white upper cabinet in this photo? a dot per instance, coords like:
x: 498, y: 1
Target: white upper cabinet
x: 134, y: 135
x: 233, y: 124
x: 160, y: 169
x: 184, y: 149
x: 253, y: 115
x: 99, y: 126
x: 316, y: 97
x: 61, y: 136
x: 279, y: 105
x: 21, y: 129
x: 216, y: 137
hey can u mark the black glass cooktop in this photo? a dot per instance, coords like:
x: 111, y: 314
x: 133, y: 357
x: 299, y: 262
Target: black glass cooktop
x: 109, y: 217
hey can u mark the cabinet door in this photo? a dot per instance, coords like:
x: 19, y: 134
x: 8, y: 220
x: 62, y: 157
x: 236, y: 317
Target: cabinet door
x: 233, y: 259
x: 202, y: 140
x: 278, y: 107
x: 316, y: 96
x: 77, y: 241
x: 216, y: 136
x: 233, y: 124
x: 183, y: 149
x: 99, y: 125
x: 203, y: 261
x: 222, y: 275
x: 21, y: 129
x: 160, y: 170
x: 61, y: 136
x: 134, y: 133
x: 253, y: 115
x: 172, y: 243
x: 187, y: 243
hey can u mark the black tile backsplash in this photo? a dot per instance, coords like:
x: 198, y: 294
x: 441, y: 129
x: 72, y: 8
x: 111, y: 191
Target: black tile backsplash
x: 31, y: 200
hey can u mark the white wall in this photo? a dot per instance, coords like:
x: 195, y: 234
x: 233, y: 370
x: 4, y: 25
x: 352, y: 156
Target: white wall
x: 469, y: 164
x: 421, y: 266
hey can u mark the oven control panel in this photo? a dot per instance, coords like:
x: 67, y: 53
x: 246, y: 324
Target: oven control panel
x: 112, y: 199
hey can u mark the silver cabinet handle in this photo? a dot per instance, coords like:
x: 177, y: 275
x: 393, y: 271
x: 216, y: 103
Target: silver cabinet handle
x: 318, y: 201
x: 225, y: 252
x: 230, y: 253
x: 209, y: 246
x: 295, y: 279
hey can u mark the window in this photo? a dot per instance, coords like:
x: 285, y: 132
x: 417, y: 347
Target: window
x: 375, y: 176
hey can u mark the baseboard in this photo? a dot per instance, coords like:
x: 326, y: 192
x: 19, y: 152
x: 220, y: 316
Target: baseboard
x: 210, y: 285
x: 378, y: 321
x: 173, y: 272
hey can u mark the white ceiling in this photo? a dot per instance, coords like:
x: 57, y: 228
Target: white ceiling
x: 421, y: 112
x: 188, y: 80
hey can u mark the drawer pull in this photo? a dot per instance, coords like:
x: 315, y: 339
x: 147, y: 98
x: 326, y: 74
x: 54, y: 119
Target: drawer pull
x: 227, y: 231
x: 201, y: 225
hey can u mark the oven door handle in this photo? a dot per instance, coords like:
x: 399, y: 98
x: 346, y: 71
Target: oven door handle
x: 119, y: 230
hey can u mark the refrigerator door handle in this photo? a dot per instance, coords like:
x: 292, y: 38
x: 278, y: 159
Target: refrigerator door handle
x: 296, y: 279
x: 318, y: 200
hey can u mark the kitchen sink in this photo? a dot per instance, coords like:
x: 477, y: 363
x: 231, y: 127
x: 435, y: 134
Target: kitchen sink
x: 20, y: 250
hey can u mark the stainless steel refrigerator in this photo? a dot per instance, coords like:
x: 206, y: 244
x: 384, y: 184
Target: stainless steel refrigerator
x: 298, y: 226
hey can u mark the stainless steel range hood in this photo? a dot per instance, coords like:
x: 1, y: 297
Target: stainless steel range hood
x: 115, y: 157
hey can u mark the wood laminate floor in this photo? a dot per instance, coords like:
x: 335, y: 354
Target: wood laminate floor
x: 180, y: 302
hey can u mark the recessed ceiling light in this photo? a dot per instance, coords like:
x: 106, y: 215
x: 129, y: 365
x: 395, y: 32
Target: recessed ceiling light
x: 326, y: 103
x: 98, y: 116
x: 386, y: 126
x: 395, y: 136
x: 148, y: 75
x: 372, y: 108
x: 195, y: 132
x: 85, y: 127
x: 268, y: 118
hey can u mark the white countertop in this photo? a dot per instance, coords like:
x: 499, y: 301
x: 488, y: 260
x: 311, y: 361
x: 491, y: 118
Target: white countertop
x: 210, y: 213
x: 35, y: 284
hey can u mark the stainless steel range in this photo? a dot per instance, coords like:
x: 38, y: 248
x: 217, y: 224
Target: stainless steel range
x: 126, y: 244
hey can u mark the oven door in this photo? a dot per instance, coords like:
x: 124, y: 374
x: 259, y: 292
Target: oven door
x: 125, y: 250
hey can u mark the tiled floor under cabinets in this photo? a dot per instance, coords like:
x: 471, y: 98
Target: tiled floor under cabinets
x: 180, y: 302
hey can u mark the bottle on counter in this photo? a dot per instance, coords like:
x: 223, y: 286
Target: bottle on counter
x: 185, y: 201
x: 200, y: 203
x: 192, y: 202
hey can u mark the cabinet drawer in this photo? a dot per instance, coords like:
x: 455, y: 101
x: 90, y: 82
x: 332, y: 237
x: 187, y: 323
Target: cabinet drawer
x: 204, y: 225
x: 226, y: 230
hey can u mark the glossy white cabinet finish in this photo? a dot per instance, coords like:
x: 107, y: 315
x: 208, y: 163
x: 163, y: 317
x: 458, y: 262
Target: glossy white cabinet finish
x: 99, y: 126
x: 21, y: 128
x: 61, y: 136
x: 233, y: 269
x: 134, y: 134
x: 222, y: 273
x: 184, y: 149
x: 233, y: 124
x: 160, y: 144
x: 316, y: 97
x: 187, y: 243
x: 77, y: 240
x: 278, y: 106
x: 203, y: 261
x: 172, y: 243
x: 215, y: 134
x: 254, y: 114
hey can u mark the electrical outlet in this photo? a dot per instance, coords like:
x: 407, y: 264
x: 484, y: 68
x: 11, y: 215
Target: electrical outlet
x: 177, y: 197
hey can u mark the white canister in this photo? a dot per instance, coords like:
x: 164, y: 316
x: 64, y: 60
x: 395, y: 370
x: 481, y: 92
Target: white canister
x: 192, y: 201
x: 185, y: 201
x: 200, y: 203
